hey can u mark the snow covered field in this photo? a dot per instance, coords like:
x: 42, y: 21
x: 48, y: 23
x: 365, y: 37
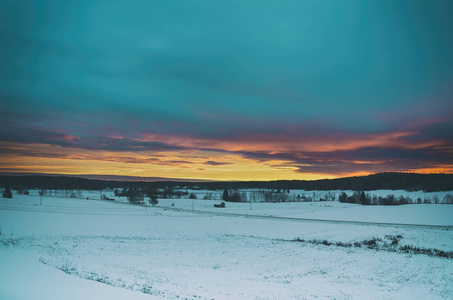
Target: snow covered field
x: 423, y: 214
x: 157, y: 252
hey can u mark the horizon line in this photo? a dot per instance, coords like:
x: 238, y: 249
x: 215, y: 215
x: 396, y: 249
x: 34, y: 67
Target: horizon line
x: 164, y: 179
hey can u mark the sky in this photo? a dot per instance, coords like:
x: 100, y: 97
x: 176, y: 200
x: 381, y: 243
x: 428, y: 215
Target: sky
x: 226, y: 90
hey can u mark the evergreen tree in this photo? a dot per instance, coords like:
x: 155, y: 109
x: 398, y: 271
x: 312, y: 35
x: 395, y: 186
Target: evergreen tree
x: 7, y: 193
x: 235, y: 197
x: 225, y: 196
x: 152, y: 194
x: 135, y: 196
x: 364, y: 199
x: 153, y: 200
x: 342, y: 198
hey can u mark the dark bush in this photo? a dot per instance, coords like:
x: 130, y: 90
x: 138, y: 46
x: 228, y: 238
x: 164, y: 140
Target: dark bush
x: 153, y: 200
x: 389, y: 200
x: 7, y: 193
x: 364, y: 199
x: 135, y: 196
x: 372, y: 243
x: 342, y: 197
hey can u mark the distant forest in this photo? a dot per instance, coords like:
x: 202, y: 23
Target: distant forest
x: 386, y: 181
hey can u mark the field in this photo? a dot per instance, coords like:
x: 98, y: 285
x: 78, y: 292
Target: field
x: 134, y: 252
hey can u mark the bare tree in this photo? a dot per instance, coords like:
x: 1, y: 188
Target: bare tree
x: 41, y: 193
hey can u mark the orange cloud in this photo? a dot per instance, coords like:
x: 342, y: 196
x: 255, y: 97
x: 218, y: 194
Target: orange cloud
x: 194, y: 164
x: 282, y: 143
x: 260, y: 159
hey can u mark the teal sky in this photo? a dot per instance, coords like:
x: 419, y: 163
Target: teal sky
x: 288, y: 74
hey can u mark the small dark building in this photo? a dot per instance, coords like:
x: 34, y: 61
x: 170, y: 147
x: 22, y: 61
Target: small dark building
x: 221, y: 205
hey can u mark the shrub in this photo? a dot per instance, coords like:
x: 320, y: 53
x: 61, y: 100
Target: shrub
x: 306, y: 199
x: 436, y: 199
x: 342, y: 197
x: 394, y: 238
x: 448, y: 199
x: 7, y: 193
x: 372, y: 243
x: 403, y: 200
x: 364, y: 199
x: 135, y: 196
x: 389, y: 200
x: 225, y: 196
x: 235, y: 196
x: 374, y: 200
x: 341, y: 244
x: 153, y: 200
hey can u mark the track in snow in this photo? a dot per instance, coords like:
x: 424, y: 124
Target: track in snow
x: 307, y: 219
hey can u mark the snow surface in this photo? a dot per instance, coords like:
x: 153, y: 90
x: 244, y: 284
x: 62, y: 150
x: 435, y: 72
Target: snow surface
x: 174, y: 255
x: 22, y: 277
x: 422, y: 214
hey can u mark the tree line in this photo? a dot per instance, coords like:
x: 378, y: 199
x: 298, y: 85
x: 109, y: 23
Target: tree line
x: 385, y: 181
x: 366, y: 199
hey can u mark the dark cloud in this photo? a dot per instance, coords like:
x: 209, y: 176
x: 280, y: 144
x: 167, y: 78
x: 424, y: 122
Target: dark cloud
x: 23, y: 135
x: 369, y: 160
x: 216, y: 163
x: 179, y: 162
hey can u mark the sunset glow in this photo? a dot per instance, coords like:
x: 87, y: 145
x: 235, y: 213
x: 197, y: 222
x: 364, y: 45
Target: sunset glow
x: 218, y: 91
